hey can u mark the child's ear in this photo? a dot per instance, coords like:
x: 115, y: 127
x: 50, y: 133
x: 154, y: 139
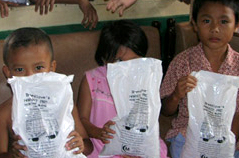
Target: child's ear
x: 6, y: 71
x: 53, y: 66
x: 237, y: 27
x: 194, y: 26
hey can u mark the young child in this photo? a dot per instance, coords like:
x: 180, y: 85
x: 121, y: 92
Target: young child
x: 119, y: 41
x: 28, y: 51
x: 215, y: 22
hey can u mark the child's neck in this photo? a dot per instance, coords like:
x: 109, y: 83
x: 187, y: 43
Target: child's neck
x: 215, y: 57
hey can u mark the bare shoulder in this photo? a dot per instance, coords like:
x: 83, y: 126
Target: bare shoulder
x: 5, y: 111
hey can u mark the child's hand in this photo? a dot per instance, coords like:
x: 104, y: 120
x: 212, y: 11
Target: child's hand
x: 113, y: 5
x: 106, y: 131
x: 185, y: 85
x: 17, y: 147
x: 75, y: 142
x: 90, y: 14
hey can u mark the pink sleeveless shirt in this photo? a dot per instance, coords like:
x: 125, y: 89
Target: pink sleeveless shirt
x: 103, y: 108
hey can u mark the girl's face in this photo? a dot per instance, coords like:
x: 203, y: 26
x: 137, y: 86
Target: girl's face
x: 215, y: 25
x: 125, y: 53
x: 26, y: 61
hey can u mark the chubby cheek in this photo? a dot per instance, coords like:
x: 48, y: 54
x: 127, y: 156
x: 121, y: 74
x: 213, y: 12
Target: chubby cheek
x: 17, y: 74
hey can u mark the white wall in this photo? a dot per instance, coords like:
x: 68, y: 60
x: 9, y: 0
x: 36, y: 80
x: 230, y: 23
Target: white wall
x: 71, y: 14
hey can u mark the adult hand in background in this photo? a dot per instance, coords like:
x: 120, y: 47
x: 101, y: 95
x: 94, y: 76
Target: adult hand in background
x: 43, y: 5
x: 90, y: 15
x: 121, y: 5
x: 4, y: 8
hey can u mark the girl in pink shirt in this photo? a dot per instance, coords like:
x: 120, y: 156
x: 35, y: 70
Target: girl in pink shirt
x: 119, y: 41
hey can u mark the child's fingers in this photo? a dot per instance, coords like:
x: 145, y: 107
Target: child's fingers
x: 16, y: 137
x: 104, y: 137
x: 105, y: 141
x: 16, y: 150
x: 192, y: 79
x: 185, y: 84
x: 107, y: 128
x: 189, y: 81
x: 17, y: 146
x: 109, y: 123
x: 75, y: 142
x: 73, y: 134
x: 107, y: 132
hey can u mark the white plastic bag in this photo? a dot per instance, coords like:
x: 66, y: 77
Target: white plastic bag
x: 134, y: 85
x: 41, y: 114
x: 211, y: 108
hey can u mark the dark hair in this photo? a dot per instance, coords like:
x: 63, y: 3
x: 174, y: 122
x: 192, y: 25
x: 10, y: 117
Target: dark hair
x: 233, y: 4
x: 120, y: 33
x: 25, y: 37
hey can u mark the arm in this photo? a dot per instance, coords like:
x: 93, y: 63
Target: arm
x: 184, y: 85
x: 90, y: 14
x: 122, y: 5
x: 84, y: 106
x: 4, y: 134
x: 4, y: 8
x: 14, y: 150
x: 4, y: 153
x: 88, y: 147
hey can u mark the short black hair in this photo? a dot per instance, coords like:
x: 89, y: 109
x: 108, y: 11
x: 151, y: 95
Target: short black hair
x: 233, y: 4
x: 120, y: 33
x: 24, y: 37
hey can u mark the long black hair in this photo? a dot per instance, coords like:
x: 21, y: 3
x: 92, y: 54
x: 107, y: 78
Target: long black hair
x: 120, y: 33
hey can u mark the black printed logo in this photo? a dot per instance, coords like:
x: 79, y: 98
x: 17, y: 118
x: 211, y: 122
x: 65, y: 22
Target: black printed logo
x: 204, y: 156
x: 125, y: 148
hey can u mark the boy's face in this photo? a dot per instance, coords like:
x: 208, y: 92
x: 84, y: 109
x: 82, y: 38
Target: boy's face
x: 26, y: 61
x: 215, y: 25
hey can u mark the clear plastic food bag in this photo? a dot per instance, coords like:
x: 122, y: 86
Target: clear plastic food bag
x: 134, y: 85
x: 41, y: 114
x: 211, y: 108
